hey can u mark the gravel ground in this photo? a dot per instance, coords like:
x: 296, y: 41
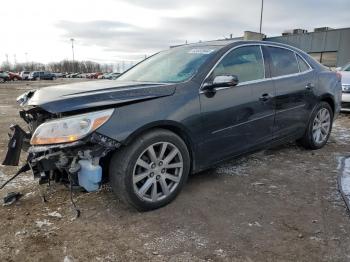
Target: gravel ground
x: 280, y: 204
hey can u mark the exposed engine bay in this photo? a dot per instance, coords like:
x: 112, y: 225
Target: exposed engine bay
x: 74, y: 162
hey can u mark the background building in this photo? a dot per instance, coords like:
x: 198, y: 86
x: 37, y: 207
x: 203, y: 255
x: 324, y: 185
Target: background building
x: 329, y: 46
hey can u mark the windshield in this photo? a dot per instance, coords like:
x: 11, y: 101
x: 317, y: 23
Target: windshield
x: 171, y: 66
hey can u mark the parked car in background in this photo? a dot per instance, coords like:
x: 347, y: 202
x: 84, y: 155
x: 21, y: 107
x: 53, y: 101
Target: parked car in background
x: 345, y: 73
x: 109, y: 76
x: 113, y: 76
x: 178, y: 112
x: 103, y: 76
x: 58, y: 75
x: 73, y: 75
x: 14, y: 76
x: 41, y: 75
x: 95, y: 75
x: 25, y: 75
x: 82, y: 75
x: 4, y: 77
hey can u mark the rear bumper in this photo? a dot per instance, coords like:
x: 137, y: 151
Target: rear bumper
x: 345, y: 102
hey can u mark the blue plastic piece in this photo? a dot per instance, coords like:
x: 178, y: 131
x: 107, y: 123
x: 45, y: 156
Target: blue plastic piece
x: 89, y: 175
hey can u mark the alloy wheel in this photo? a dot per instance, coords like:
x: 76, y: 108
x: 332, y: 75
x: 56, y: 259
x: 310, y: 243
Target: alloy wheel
x: 321, y: 126
x: 157, y: 172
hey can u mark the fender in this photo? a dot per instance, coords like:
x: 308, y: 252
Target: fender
x: 173, y: 126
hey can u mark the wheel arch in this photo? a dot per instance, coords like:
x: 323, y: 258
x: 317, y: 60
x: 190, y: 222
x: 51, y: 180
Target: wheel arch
x: 172, y: 126
x: 330, y: 100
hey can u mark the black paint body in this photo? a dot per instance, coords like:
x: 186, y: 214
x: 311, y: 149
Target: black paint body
x: 215, y: 126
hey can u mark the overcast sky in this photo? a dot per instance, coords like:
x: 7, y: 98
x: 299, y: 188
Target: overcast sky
x: 114, y: 30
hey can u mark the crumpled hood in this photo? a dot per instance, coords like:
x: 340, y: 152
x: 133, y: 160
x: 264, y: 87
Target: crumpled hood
x: 84, y: 95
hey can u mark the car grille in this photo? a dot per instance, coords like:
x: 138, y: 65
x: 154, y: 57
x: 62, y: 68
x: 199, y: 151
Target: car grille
x: 345, y: 104
x: 346, y: 88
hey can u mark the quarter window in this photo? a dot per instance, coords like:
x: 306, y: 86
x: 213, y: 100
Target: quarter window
x: 244, y: 62
x: 303, y: 66
x: 283, y: 62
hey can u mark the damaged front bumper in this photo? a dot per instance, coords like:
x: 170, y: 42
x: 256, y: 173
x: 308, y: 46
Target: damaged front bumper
x: 76, y: 162
x: 18, y: 139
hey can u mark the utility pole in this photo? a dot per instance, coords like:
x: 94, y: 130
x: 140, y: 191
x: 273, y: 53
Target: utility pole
x: 72, y: 40
x: 261, y: 15
x: 7, y: 63
x: 14, y: 62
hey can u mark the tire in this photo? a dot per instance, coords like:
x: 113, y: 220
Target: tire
x: 316, y: 136
x: 129, y: 177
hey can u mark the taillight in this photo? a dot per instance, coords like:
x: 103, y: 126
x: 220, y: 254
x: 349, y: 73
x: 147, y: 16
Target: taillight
x: 338, y: 76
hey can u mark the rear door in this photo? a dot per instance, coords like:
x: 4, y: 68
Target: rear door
x: 294, y: 80
x: 240, y: 117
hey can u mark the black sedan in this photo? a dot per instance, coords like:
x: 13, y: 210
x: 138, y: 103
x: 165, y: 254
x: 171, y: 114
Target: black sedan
x: 178, y: 112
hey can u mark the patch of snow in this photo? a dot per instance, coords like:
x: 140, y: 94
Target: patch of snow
x: 240, y: 166
x: 220, y: 253
x: 54, y: 214
x: 177, y: 239
x: 42, y: 223
x: 28, y: 195
x: 22, y: 180
x: 19, y: 233
x: 340, y: 134
x: 344, y: 168
x: 68, y: 259
x: 345, y: 175
x: 258, y: 184
x: 256, y: 223
x: 316, y: 238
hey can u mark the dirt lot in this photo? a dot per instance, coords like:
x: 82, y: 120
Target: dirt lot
x: 281, y: 204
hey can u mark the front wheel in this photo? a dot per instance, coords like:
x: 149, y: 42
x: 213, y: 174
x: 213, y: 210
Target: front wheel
x: 319, y: 127
x: 150, y: 172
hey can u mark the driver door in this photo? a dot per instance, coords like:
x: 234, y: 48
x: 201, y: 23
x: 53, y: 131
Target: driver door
x: 237, y: 118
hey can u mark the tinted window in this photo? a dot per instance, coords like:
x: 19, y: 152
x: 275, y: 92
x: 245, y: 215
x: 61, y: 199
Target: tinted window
x: 244, y: 62
x: 346, y: 68
x: 303, y: 66
x: 283, y: 62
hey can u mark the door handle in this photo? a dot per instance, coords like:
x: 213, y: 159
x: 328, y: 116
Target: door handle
x: 309, y: 86
x: 265, y: 97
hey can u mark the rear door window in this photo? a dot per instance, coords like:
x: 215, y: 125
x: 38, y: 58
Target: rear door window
x: 303, y: 66
x: 244, y: 62
x: 283, y: 62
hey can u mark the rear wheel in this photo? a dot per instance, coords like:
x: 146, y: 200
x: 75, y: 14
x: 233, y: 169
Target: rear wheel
x: 319, y: 127
x: 151, y: 171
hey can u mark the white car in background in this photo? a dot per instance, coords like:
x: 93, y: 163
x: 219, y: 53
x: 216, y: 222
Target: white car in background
x: 25, y: 75
x: 345, y: 73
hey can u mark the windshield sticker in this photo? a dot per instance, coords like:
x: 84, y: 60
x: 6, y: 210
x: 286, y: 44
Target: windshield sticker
x: 201, y: 51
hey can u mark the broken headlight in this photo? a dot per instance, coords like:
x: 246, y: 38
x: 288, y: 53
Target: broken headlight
x: 69, y: 129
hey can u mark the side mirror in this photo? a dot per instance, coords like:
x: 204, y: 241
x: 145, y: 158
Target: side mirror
x: 221, y: 81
